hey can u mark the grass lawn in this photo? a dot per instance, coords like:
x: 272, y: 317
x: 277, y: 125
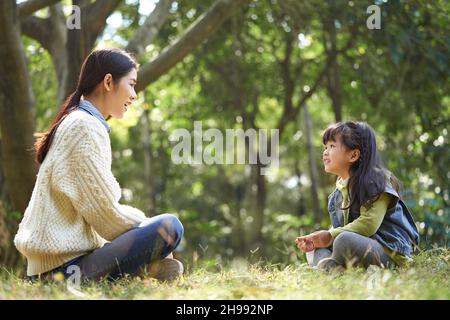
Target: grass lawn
x: 428, y: 277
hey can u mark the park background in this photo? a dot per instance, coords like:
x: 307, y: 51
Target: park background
x: 291, y: 65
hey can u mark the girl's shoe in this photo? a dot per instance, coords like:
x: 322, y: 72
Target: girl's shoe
x: 330, y: 265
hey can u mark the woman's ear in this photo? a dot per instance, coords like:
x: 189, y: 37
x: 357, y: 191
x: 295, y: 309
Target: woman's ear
x: 354, y: 156
x: 108, y: 82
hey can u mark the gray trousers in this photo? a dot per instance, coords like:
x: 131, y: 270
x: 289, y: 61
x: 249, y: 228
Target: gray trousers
x: 350, y: 249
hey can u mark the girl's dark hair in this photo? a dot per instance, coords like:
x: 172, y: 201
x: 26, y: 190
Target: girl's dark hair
x: 98, y: 64
x: 368, y: 176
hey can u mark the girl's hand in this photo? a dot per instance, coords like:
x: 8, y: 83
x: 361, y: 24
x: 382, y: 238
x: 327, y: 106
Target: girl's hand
x: 318, y: 239
x: 322, y: 239
x: 305, y: 243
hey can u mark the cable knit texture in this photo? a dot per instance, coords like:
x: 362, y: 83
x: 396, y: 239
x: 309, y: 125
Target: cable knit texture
x: 74, y: 207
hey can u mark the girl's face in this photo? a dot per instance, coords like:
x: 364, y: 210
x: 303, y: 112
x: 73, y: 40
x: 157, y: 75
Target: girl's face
x: 337, y: 159
x: 121, y: 95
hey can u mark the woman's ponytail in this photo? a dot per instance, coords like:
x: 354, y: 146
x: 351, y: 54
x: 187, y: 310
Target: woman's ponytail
x: 42, y: 145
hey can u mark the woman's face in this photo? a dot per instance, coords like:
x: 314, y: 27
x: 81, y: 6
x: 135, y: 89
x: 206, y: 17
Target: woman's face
x: 122, y: 95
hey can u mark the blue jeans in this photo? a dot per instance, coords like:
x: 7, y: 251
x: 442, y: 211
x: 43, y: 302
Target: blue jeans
x: 154, y: 239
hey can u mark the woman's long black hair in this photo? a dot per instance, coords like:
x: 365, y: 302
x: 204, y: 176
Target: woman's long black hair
x: 99, y: 63
x: 368, y: 176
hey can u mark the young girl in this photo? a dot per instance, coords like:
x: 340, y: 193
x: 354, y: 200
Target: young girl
x: 371, y: 224
x: 74, y: 220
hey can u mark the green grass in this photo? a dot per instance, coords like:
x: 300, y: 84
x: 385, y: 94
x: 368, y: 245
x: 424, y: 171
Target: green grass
x: 428, y: 277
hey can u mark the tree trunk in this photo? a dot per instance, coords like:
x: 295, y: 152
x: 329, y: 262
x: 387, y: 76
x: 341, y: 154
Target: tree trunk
x: 51, y: 33
x: 3, y: 190
x: 16, y: 110
x: 300, y: 207
x: 260, y: 204
x: 148, y: 159
x: 334, y: 85
x: 80, y: 42
x: 58, y: 49
x: 239, y: 240
x: 77, y: 51
x: 5, y: 240
x: 312, y: 166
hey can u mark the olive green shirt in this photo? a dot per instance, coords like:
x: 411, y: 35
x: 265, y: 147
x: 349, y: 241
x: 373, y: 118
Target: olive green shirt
x: 369, y: 220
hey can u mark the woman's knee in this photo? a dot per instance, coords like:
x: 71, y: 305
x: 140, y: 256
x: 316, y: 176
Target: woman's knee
x: 177, y: 225
x: 171, y: 229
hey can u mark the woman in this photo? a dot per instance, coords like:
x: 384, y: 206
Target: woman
x: 74, y: 217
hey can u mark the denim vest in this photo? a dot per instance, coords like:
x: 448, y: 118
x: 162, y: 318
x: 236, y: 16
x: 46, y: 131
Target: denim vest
x: 397, y: 232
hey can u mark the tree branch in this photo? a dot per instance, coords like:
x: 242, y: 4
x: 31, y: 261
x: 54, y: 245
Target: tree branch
x: 97, y: 13
x: 292, y: 113
x: 198, y: 32
x: 26, y: 9
x: 147, y: 32
x: 37, y: 29
x: 49, y: 32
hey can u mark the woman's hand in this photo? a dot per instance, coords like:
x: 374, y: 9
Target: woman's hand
x: 318, y: 239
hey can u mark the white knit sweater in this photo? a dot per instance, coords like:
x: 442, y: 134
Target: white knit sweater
x: 74, y: 207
